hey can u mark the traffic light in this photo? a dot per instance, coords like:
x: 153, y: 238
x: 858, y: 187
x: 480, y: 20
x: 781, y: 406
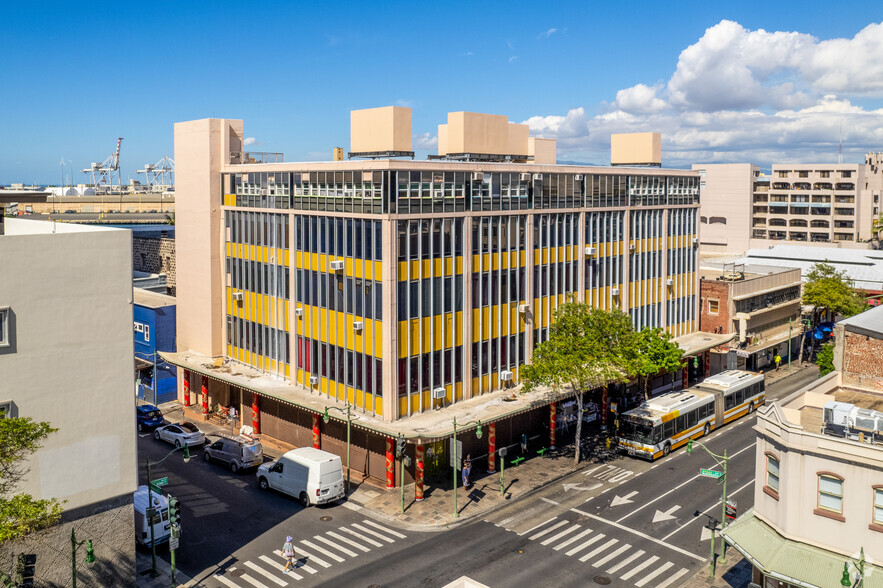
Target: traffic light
x: 173, y: 510
x: 695, y: 362
x: 400, y: 446
x: 689, y: 446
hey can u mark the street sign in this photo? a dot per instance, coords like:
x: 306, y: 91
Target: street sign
x: 732, y: 509
x: 173, y: 542
x: 160, y: 482
x: 456, y: 453
x: 710, y: 473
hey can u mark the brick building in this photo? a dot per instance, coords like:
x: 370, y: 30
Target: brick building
x: 859, y: 350
x: 155, y: 254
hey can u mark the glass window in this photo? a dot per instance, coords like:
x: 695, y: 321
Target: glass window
x: 878, y: 506
x: 4, y: 327
x: 713, y: 306
x: 772, y: 472
x: 830, y: 493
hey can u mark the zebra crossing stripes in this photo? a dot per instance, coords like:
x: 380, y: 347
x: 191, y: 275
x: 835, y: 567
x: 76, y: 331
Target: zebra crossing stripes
x: 609, y: 556
x: 626, y: 562
x: 653, y: 574
x: 639, y: 567
x: 271, y: 577
x: 672, y: 579
x: 300, y: 555
x: 598, y: 550
x: 549, y: 530
x: 561, y: 546
x: 594, y: 539
x: 610, y: 473
x: 362, y: 537
x: 554, y: 538
x: 323, y: 551
x: 375, y: 533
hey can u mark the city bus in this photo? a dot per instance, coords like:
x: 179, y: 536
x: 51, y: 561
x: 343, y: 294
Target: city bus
x: 666, y: 422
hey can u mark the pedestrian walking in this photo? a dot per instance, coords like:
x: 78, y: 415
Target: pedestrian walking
x: 288, y: 554
x: 467, y: 470
x: 778, y: 360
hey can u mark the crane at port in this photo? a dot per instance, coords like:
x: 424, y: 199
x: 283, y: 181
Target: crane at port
x: 103, y: 173
x: 159, y: 175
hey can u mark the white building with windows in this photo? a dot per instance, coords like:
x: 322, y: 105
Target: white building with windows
x: 818, y: 495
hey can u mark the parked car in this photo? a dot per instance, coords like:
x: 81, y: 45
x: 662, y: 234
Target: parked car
x: 70, y: 211
x: 153, y: 211
x: 236, y: 452
x: 311, y: 475
x: 181, y: 434
x: 148, y: 417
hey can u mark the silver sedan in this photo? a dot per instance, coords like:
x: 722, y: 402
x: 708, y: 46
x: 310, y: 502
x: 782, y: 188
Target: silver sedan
x: 181, y: 434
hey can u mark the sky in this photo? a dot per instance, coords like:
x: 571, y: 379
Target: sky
x: 748, y: 81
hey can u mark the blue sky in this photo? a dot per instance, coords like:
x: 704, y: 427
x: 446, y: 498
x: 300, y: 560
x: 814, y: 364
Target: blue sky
x: 749, y: 81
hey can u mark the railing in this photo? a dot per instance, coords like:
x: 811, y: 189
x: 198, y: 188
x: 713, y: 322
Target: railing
x: 256, y: 157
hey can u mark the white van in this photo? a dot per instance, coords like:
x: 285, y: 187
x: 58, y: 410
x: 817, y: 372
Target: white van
x: 311, y: 475
x: 161, y: 528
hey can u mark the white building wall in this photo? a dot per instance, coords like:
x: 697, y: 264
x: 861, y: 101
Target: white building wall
x: 726, y: 193
x: 69, y: 361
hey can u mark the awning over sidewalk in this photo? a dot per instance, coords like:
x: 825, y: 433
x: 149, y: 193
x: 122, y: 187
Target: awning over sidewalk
x: 424, y: 427
x: 700, y: 341
x: 791, y: 561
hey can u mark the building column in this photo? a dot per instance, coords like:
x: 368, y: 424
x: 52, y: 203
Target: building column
x: 317, y: 440
x: 255, y: 413
x: 205, y: 395
x: 492, y: 448
x: 418, y: 472
x: 468, y: 325
x: 186, y: 387
x: 390, y: 464
x: 581, y: 258
x: 390, y: 327
x: 553, y: 421
x: 666, y: 289
x: 529, y: 272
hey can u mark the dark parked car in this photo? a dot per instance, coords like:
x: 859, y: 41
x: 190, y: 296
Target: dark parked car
x: 149, y: 417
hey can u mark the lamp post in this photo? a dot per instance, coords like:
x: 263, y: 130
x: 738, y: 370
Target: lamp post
x: 722, y: 461
x: 860, y: 569
x: 90, y: 554
x: 456, y: 457
x: 347, y: 411
x: 186, y: 448
x: 789, y: 344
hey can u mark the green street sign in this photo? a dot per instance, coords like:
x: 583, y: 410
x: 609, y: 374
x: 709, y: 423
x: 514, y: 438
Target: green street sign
x: 160, y: 482
x: 710, y: 473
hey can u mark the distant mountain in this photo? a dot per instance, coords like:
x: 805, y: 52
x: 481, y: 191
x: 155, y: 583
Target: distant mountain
x: 582, y: 163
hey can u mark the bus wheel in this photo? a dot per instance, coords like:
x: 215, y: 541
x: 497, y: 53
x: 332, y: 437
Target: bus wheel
x: 707, y: 430
x: 750, y: 407
x: 667, y: 449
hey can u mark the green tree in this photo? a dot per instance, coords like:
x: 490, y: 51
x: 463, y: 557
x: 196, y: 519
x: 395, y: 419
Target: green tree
x: 653, y: 351
x: 825, y: 359
x: 827, y: 288
x: 586, y: 349
x: 21, y: 514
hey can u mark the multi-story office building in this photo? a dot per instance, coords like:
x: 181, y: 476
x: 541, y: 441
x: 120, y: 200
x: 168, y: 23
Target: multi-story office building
x: 821, y: 204
x: 66, y: 358
x: 402, y: 286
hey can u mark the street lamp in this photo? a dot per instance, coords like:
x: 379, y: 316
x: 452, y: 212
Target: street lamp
x: 722, y: 461
x: 90, y: 554
x: 153, y: 572
x: 456, y: 457
x: 348, y: 413
x: 860, y: 575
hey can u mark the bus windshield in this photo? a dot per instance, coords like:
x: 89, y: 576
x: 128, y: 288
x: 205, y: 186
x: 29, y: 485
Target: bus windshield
x: 640, y: 431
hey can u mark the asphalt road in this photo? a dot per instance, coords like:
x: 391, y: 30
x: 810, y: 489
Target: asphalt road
x: 622, y: 523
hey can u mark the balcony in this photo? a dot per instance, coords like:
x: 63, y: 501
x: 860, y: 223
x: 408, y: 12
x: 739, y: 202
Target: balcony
x: 761, y: 210
x: 844, y: 186
x: 800, y: 186
x: 823, y: 186
x: 759, y: 222
x: 778, y: 222
x: 820, y: 224
x: 777, y: 235
x: 844, y: 212
x: 781, y: 186
x: 821, y: 199
x: 844, y: 237
x: 798, y: 222
x: 819, y: 238
x: 759, y: 234
x: 797, y: 236
x: 845, y: 200
x: 799, y: 210
x: 256, y: 157
x: 761, y: 198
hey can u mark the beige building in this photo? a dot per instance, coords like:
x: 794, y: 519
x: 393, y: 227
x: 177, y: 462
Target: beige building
x: 66, y: 350
x: 813, y: 204
x: 818, y: 495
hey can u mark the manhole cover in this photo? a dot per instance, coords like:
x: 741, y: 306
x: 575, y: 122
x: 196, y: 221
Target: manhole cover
x: 325, y: 518
x: 602, y: 580
x: 237, y: 572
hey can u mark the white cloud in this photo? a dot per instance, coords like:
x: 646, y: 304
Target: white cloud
x: 513, y: 58
x: 250, y: 141
x: 742, y: 95
x: 425, y: 141
x: 548, y: 33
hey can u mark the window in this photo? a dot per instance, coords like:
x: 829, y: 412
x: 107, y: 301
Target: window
x: 6, y: 410
x: 146, y: 332
x: 830, y: 493
x: 878, y: 506
x: 772, y: 474
x: 4, y: 326
x: 713, y: 306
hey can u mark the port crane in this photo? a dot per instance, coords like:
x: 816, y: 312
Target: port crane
x: 103, y: 173
x: 159, y: 175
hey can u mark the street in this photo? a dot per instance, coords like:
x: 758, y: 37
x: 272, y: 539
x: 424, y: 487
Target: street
x: 621, y: 523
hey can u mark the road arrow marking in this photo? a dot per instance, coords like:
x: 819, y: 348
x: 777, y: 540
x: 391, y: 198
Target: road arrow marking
x: 665, y: 516
x: 618, y: 500
x: 706, y: 533
x: 578, y: 487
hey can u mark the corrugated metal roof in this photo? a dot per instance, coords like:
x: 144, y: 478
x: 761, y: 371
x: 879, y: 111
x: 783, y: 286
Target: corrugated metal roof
x: 791, y: 561
x: 863, y: 266
x: 868, y: 321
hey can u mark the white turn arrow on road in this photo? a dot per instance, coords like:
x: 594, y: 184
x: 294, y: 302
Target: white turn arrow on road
x: 706, y: 533
x: 578, y: 487
x: 618, y: 500
x: 665, y: 516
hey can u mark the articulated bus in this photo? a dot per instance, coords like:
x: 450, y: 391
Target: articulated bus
x: 669, y: 420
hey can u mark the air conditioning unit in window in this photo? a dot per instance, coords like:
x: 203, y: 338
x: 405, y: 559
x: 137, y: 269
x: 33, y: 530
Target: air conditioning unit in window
x: 631, y: 246
x: 694, y: 240
x: 523, y: 308
x: 298, y: 311
x: 357, y: 325
x: 477, y: 176
x: 505, y: 376
x: 314, y: 380
x: 590, y: 250
x: 578, y: 177
x: 336, y: 265
x: 614, y: 291
x: 237, y: 296
x: 525, y: 177
x: 538, y: 176
x: 438, y: 393
x: 669, y: 282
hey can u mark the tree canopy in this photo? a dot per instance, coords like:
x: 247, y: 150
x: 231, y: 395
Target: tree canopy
x: 653, y: 351
x: 831, y: 289
x: 21, y: 514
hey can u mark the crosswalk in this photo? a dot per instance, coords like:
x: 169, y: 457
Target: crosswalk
x: 314, y: 554
x: 606, y: 555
